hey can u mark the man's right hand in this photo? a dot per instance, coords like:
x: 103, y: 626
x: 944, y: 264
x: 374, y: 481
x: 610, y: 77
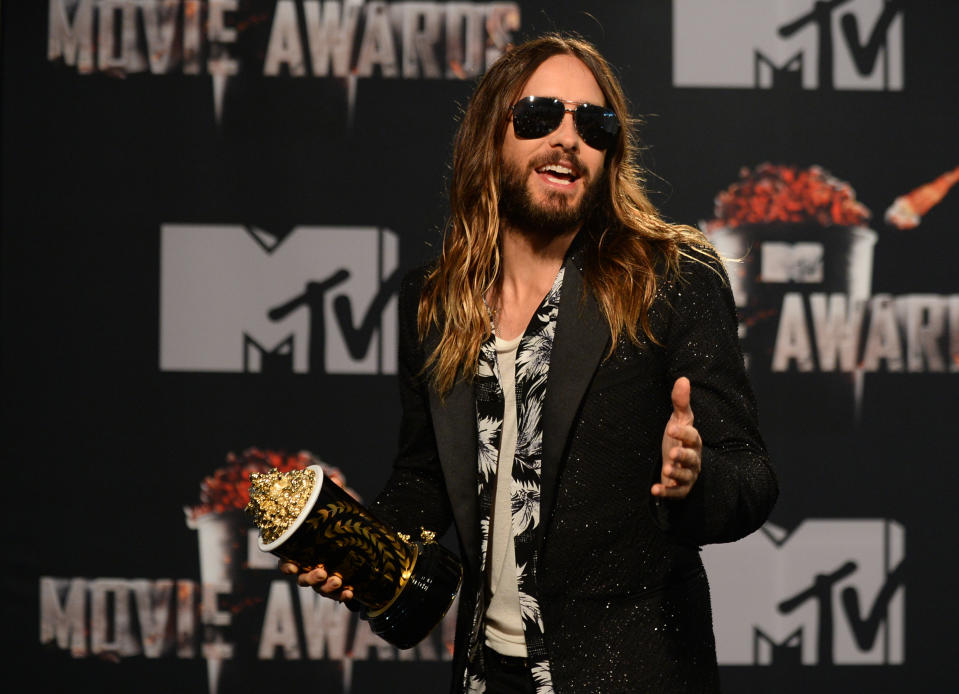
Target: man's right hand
x: 330, y: 586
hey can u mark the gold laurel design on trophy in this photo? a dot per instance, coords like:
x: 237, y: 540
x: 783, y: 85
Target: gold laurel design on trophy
x: 427, y: 537
x: 367, y: 545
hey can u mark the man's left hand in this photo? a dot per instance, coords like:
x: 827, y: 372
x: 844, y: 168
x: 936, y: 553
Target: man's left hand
x: 682, y: 448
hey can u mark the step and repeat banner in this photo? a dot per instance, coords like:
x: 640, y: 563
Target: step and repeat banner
x: 207, y: 208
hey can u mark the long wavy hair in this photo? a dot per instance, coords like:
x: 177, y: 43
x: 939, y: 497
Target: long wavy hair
x: 625, y: 237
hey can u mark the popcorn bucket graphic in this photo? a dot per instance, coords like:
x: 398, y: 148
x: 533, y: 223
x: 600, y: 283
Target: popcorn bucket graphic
x: 799, y: 259
x: 235, y: 575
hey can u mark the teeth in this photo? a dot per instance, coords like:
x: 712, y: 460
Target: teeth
x: 558, y: 169
x: 561, y: 181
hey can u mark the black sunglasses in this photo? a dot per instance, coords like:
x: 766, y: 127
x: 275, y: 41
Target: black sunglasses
x: 538, y: 116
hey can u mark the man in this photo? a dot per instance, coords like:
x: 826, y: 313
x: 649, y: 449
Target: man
x: 550, y: 364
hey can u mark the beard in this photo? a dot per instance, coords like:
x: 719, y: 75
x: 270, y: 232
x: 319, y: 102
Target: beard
x: 553, y: 217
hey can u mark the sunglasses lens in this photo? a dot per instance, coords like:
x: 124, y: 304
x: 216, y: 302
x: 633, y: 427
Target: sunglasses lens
x: 597, y: 126
x: 536, y: 117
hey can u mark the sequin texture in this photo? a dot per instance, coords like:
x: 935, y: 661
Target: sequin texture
x: 624, y: 597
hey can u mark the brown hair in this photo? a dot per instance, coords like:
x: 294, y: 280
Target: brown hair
x: 625, y: 235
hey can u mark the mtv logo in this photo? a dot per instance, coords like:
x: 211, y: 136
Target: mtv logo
x: 830, y: 592
x: 783, y: 44
x: 237, y: 299
x: 792, y: 262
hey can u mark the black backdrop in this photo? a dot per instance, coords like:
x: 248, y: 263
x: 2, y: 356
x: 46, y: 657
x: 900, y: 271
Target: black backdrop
x: 107, y: 436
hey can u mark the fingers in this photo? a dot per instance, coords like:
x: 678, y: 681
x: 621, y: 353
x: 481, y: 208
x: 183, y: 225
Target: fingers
x: 661, y: 490
x: 680, y: 398
x: 675, y: 473
x: 666, y: 493
x: 679, y: 473
x: 673, y: 488
x: 328, y: 585
x: 689, y: 457
x: 333, y: 588
x: 289, y: 568
x: 682, y: 447
x: 319, y: 580
x: 686, y: 434
x: 312, y: 578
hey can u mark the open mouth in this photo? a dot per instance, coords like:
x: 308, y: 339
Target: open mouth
x: 558, y: 174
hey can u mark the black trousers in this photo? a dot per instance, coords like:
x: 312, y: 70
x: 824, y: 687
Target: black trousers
x: 506, y: 675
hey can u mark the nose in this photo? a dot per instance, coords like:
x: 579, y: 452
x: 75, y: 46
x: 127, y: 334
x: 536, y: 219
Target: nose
x: 565, y: 135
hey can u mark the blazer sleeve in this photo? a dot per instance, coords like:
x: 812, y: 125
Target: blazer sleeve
x: 415, y: 496
x: 736, y: 488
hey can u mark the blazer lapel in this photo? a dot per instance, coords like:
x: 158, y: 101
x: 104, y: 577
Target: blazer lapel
x: 581, y: 339
x: 454, y: 424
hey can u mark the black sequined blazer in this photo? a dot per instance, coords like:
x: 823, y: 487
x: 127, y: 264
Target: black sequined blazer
x: 622, y: 589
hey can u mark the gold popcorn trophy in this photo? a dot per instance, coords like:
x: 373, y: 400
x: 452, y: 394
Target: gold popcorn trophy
x: 405, y: 587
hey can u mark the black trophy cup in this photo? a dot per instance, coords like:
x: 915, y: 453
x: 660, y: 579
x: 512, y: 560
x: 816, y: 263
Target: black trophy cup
x: 404, y: 586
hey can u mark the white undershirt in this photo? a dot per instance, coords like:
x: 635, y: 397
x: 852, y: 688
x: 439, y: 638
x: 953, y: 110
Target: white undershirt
x: 504, y: 621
